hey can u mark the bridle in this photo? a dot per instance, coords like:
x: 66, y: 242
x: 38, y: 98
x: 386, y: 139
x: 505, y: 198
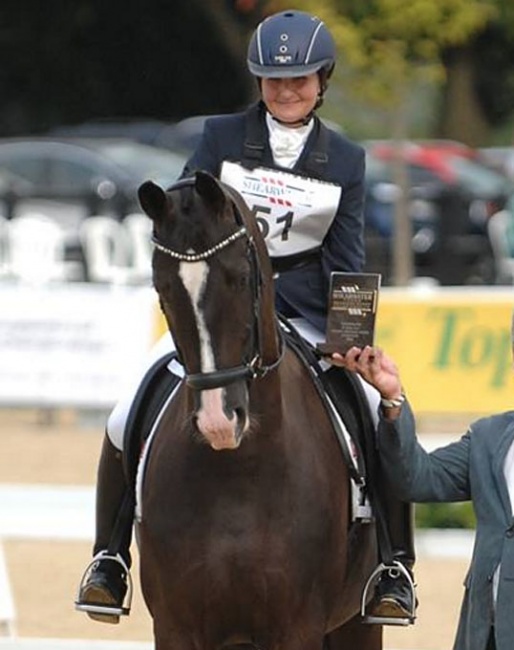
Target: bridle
x: 252, y: 367
x: 198, y: 257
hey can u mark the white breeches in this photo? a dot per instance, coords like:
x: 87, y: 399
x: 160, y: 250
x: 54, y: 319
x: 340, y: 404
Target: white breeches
x: 118, y: 418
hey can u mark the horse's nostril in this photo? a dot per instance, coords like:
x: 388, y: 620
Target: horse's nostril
x: 241, y: 418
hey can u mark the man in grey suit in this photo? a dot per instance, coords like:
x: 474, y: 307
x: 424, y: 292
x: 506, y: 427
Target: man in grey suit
x: 478, y: 467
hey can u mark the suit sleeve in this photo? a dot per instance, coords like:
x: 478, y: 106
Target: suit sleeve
x: 419, y: 476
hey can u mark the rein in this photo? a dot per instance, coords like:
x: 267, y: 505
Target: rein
x: 249, y: 369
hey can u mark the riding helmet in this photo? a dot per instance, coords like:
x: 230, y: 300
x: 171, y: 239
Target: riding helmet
x: 291, y: 44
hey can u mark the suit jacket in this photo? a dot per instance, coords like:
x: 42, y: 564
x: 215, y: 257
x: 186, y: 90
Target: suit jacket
x: 301, y: 291
x: 469, y: 469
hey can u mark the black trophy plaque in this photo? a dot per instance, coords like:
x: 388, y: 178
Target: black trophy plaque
x: 352, y: 310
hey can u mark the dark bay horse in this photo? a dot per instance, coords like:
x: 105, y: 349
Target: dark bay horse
x: 245, y: 532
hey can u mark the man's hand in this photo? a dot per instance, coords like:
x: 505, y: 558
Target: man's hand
x: 373, y: 365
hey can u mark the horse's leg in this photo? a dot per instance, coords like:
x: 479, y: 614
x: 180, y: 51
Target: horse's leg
x: 302, y: 634
x: 355, y: 634
x: 164, y: 640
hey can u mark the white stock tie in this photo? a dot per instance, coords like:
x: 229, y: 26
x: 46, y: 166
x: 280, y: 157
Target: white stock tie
x: 287, y: 143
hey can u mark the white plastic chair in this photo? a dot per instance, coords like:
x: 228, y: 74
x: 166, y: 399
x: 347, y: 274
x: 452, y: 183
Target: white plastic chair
x: 497, y: 229
x: 5, y: 268
x: 139, y: 229
x: 106, y: 248
x: 36, y: 249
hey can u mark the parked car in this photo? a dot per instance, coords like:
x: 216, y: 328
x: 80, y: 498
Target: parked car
x: 451, y: 164
x: 97, y: 175
x: 145, y: 131
x: 182, y: 136
x: 451, y: 196
x: 70, y: 179
x: 499, y: 158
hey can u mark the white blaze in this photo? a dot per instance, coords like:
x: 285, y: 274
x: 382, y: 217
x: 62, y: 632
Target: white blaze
x: 194, y: 276
x: 211, y: 418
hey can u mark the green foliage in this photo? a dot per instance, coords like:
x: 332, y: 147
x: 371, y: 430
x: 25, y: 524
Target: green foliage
x: 445, y: 515
x: 493, y: 53
x: 390, y: 44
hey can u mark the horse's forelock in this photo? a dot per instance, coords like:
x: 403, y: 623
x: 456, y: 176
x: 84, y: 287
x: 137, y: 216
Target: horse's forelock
x: 188, y: 222
x: 187, y: 199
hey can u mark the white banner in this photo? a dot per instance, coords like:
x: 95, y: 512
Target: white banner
x: 74, y: 344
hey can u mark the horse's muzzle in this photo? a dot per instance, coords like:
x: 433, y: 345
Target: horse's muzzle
x: 221, y: 415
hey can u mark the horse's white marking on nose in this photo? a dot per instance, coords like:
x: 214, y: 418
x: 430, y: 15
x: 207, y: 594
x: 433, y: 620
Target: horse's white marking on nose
x: 211, y: 417
x: 194, y: 276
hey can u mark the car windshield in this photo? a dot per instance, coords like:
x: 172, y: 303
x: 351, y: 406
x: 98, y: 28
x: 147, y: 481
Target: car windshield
x: 478, y: 179
x: 380, y: 170
x: 145, y: 162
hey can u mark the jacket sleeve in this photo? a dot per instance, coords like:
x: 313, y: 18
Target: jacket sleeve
x: 419, y: 476
x: 343, y: 247
x: 206, y: 156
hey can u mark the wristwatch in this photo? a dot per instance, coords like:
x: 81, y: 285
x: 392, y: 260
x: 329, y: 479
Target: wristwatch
x: 392, y: 403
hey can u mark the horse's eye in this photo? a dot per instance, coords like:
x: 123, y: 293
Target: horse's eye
x: 243, y: 281
x: 237, y: 279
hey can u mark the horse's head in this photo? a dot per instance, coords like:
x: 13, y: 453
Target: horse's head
x: 213, y: 278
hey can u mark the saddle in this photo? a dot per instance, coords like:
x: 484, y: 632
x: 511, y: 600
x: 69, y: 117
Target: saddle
x: 157, y: 385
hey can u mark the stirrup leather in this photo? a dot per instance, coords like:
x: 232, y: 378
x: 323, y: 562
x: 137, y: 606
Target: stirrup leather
x: 124, y: 610
x: 371, y: 582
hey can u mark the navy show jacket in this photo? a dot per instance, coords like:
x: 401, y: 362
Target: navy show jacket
x: 301, y: 291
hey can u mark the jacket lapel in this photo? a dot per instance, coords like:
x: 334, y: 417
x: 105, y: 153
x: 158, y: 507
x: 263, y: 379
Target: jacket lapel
x: 499, y: 454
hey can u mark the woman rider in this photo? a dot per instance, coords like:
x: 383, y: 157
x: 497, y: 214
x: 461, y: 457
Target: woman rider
x: 292, y: 56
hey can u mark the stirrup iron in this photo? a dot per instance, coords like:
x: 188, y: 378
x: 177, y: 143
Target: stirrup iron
x: 371, y: 582
x: 124, y: 610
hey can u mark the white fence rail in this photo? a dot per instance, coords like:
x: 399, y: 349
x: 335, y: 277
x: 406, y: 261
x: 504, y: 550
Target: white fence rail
x: 7, y: 608
x: 71, y: 644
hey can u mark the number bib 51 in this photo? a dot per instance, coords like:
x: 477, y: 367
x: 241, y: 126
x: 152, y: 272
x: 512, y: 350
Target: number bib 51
x: 293, y: 212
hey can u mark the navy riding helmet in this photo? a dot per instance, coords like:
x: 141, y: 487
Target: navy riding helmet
x: 291, y: 44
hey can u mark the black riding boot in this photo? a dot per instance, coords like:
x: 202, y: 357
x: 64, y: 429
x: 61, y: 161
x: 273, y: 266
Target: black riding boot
x: 105, y: 585
x: 394, y: 595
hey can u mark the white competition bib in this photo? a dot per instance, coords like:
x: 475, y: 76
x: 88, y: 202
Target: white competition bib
x: 293, y: 212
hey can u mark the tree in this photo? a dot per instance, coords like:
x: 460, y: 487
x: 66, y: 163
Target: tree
x: 390, y: 48
x: 480, y: 77
x: 66, y: 62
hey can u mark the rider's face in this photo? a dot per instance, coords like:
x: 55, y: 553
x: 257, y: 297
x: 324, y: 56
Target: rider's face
x: 290, y: 100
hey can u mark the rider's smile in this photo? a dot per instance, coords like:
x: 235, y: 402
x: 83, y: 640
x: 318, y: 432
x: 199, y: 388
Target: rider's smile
x: 291, y: 100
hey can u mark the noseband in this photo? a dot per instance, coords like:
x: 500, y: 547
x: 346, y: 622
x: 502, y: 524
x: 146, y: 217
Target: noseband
x: 249, y: 369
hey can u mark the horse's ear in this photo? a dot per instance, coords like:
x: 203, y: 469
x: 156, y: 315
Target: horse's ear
x: 209, y: 188
x: 152, y: 199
